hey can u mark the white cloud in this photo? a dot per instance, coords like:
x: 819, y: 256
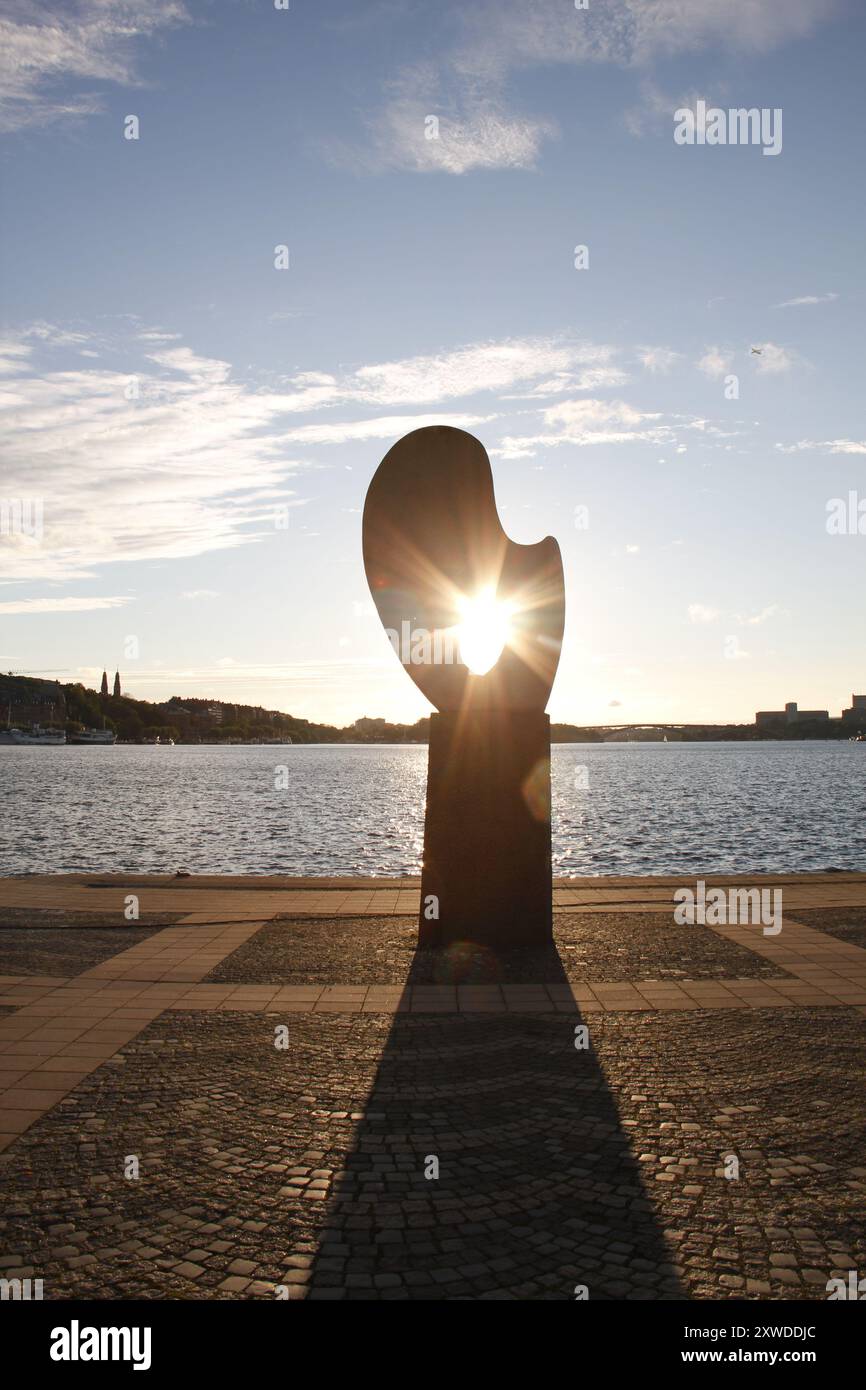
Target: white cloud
x: 472, y: 131
x: 42, y: 49
x: 465, y: 85
x: 657, y: 359
x: 581, y: 423
x: 582, y: 415
x: 830, y: 446
x: 183, y: 469
x: 491, y: 366
x: 589, y: 379
x: 154, y: 335
x: 178, y: 458
x: 60, y: 605
x: 715, y: 362
x: 200, y: 593
x: 384, y: 427
x: 13, y: 355
x: 773, y: 359
x: 757, y: 618
x: 701, y: 613
x: 807, y: 299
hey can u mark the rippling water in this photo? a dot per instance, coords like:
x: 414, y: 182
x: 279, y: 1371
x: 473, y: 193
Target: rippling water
x: 350, y: 809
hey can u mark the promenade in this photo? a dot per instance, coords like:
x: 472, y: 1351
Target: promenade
x: 317, y: 1110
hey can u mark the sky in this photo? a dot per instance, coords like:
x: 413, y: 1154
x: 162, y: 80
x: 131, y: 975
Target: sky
x: 190, y: 425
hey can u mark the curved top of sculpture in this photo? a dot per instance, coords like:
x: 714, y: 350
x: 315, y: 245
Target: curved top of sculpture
x: 444, y: 575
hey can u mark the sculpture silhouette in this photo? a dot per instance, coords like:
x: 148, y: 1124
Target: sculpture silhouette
x: 433, y: 543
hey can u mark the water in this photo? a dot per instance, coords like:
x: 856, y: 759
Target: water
x: 351, y: 809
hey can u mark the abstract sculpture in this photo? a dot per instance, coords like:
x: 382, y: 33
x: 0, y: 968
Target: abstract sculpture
x: 477, y: 622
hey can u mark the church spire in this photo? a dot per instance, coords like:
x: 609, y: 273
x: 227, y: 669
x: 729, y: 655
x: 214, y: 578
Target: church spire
x: 117, y: 683
x: 103, y: 690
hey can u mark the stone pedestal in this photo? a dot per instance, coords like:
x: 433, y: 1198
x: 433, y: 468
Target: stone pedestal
x: 487, y: 830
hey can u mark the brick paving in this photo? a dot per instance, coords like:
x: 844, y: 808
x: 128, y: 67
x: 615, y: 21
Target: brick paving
x: 64, y: 951
x: 846, y: 924
x: 300, y: 1172
x: 609, y: 947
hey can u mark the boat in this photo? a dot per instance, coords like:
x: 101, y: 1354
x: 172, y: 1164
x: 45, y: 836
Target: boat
x: 92, y: 736
x: 35, y: 735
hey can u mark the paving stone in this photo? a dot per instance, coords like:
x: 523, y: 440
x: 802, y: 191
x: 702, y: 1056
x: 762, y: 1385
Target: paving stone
x: 598, y: 946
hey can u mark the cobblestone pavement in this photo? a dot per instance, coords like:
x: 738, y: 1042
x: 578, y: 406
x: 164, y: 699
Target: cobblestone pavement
x: 708, y: 1144
x: 305, y: 1168
x: 41, y: 918
x: 64, y: 950
x: 846, y: 923
x: 591, y: 946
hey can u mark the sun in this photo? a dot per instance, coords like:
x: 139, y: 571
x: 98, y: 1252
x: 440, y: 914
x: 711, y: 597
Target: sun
x: 483, y: 630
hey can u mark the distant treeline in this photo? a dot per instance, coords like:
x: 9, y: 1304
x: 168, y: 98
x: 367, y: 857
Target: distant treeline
x: 187, y: 719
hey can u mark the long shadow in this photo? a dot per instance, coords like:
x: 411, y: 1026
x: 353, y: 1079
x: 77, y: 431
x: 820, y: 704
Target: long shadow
x: 537, y: 1195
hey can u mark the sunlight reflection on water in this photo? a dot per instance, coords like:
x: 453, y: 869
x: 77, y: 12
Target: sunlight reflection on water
x: 353, y: 809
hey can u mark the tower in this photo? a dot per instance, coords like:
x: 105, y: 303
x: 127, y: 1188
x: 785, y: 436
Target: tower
x: 103, y: 689
x: 116, y: 683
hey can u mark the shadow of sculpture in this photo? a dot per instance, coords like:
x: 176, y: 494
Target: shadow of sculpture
x: 490, y: 1162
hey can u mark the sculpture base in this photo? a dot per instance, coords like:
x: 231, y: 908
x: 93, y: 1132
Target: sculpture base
x: 486, y: 865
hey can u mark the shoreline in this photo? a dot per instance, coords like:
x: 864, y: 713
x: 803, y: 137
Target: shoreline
x: 255, y: 896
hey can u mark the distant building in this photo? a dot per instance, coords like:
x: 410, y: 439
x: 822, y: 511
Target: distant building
x: 116, y: 683
x: 857, y: 713
x: 103, y: 689
x: 767, y: 718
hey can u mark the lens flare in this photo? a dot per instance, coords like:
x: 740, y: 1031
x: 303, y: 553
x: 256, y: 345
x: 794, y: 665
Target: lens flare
x: 483, y: 630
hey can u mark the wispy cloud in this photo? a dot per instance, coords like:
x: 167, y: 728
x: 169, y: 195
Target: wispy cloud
x: 492, y: 366
x: 773, y: 359
x: 32, y: 606
x: 657, y: 359
x: 167, y: 462
x: 807, y: 299
x: 49, y: 56
x: 178, y: 457
x: 466, y: 85
x: 702, y: 613
x: 581, y: 423
x: 383, y: 427
x: 829, y: 446
x: 756, y: 619
x: 715, y: 362
x: 432, y: 124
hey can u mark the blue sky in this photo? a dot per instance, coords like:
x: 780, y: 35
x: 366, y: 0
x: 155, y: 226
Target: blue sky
x: 214, y: 518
